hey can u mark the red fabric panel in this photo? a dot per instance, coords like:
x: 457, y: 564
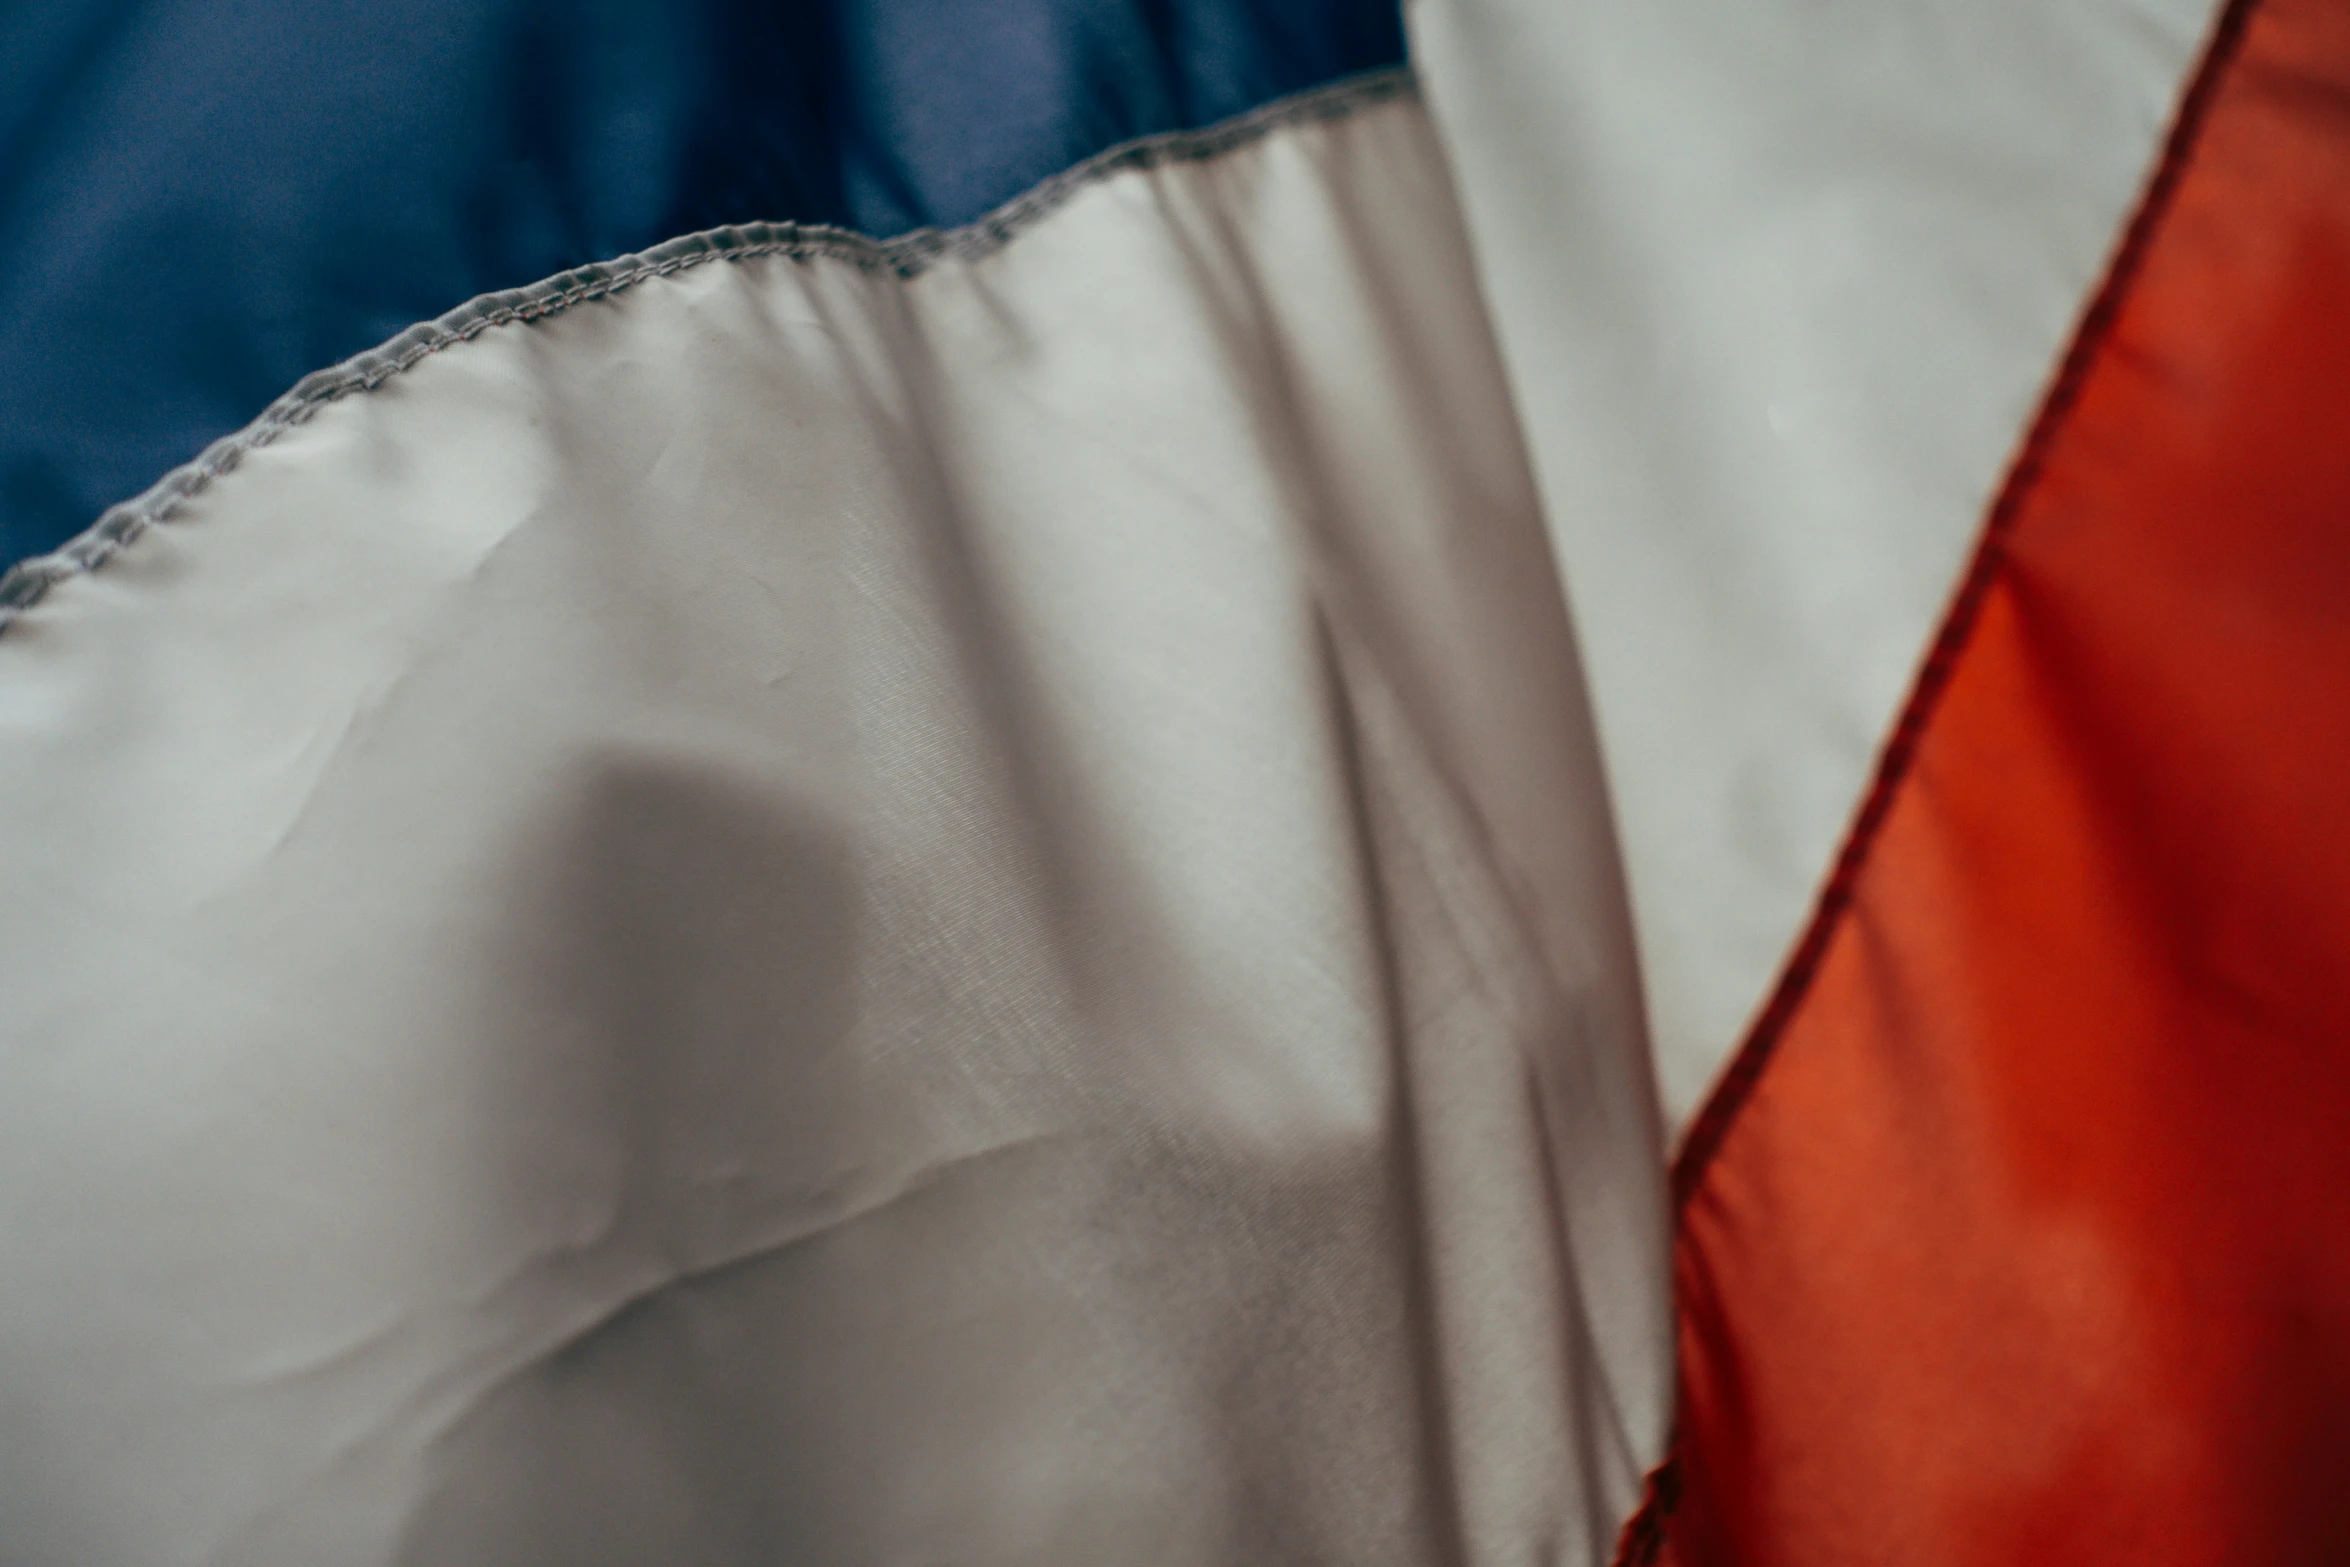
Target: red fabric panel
x: 2021, y: 1232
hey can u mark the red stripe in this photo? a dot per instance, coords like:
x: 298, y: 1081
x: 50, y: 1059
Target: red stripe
x: 1737, y: 1081
x: 1991, y: 1231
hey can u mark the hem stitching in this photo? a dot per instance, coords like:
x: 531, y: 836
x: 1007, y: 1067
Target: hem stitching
x: 906, y: 256
x: 1645, y: 1536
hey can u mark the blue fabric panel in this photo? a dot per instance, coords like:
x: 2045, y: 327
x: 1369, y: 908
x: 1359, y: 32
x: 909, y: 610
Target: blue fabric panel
x: 203, y: 200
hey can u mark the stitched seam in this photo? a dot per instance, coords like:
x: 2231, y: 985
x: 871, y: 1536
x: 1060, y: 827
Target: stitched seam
x: 1644, y: 1535
x: 906, y: 256
x: 1965, y: 613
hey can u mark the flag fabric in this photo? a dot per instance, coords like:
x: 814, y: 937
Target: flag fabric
x: 1778, y: 288
x: 207, y: 200
x: 825, y: 898
x: 2017, y: 1231
x: 1057, y: 781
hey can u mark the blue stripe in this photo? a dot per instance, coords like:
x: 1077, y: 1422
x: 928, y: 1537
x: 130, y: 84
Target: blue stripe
x: 202, y: 200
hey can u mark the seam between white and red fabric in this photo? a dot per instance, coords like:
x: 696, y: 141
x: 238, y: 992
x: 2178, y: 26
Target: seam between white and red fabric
x: 1643, y: 1537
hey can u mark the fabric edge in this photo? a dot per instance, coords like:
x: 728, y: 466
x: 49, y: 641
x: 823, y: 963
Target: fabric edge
x: 1645, y: 1539
x: 905, y: 255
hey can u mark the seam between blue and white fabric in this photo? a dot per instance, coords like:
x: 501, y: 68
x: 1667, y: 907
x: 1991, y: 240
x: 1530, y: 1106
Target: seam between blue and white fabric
x: 906, y: 255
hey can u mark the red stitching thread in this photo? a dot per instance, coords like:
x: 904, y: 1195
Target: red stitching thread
x: 1643, y: 1537
x: 2089, y: 340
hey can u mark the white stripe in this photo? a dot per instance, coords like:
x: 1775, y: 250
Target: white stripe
x: 793, y: 915
x: 1777, y: 284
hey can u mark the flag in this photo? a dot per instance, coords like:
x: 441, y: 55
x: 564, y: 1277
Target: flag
x: 1226, y: 781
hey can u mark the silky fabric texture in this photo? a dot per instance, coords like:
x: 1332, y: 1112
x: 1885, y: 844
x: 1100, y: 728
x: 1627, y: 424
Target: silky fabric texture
x: 796, y: 916
x: 2027, y: 1242
x: 203, y: 200
x: 1777, y: 286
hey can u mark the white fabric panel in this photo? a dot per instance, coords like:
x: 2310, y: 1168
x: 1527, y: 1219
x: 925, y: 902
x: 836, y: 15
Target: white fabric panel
x: 798, y: 916
x: 1777, y: 285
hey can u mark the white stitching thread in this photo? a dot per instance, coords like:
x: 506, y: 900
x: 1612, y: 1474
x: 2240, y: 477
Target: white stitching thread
x: 907, y: 255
